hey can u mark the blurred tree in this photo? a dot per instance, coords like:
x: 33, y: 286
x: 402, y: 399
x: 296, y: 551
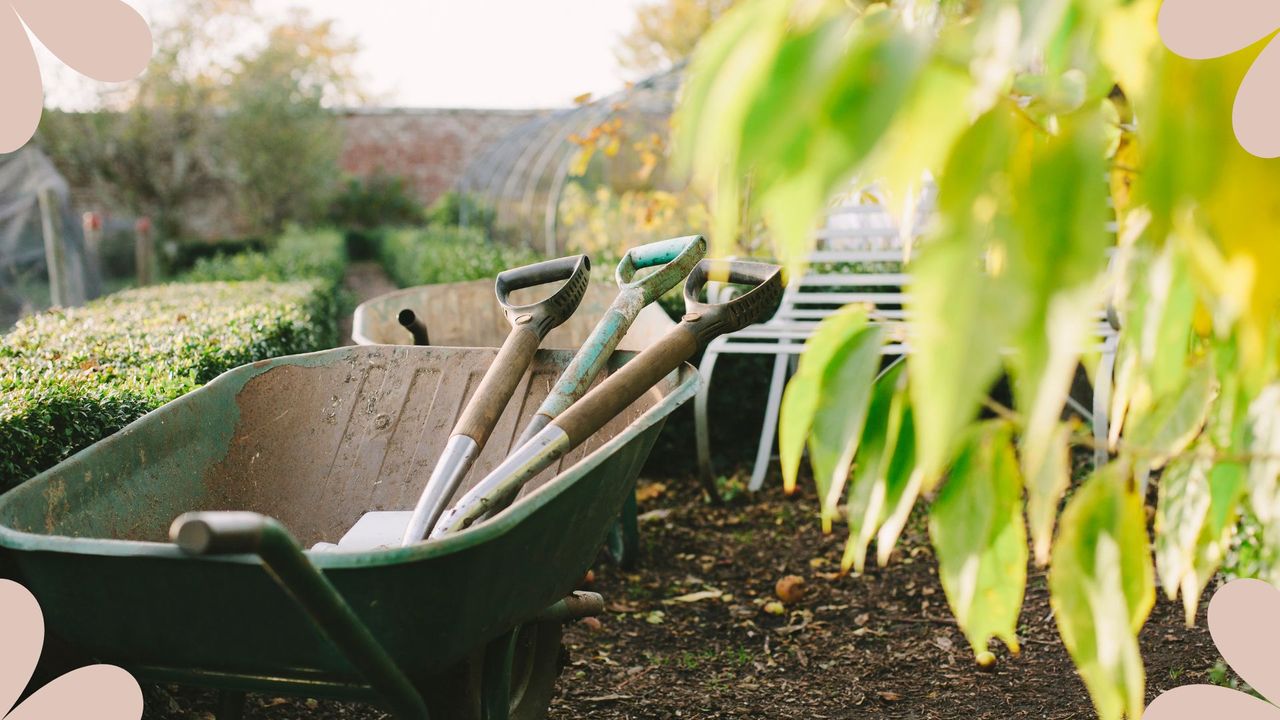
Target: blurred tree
x: 231, y: 112
x: 283, y: 143
x: 666, y: 31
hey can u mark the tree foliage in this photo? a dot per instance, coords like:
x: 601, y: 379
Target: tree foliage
x: 1042, y: 121
x: 232, y: 112
x: 666, y: 31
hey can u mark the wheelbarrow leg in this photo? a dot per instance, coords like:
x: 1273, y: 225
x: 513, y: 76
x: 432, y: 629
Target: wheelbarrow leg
x: 624, y: 536
x: 495, y: 682
x: 230, y: 704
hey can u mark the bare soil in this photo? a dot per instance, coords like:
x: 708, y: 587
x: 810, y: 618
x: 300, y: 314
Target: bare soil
x: 363, y: 280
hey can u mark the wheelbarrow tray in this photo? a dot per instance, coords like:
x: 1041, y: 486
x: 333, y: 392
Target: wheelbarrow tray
x: 315, y: 441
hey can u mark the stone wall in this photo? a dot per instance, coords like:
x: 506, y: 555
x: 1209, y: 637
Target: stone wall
x: 429, y: 147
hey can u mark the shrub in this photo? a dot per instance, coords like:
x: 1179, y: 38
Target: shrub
x: 71, y: 377
x: 455, y: 208
x: 378, y: 200
x: 295, y: 255
x: 441, y: 254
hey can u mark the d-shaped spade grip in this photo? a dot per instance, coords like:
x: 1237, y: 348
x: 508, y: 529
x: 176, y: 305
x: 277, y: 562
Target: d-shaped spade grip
x: 544, y: 316
x: 700, y: 325
x: 678, y: 255
x: 709, y: 321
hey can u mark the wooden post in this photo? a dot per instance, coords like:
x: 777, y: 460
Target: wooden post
x: 95, y: 274
x: 144, y: 251
x: 54, y: 250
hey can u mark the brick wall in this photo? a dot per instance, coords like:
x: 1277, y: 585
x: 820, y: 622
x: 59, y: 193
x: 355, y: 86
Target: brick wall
x: 429, y: 147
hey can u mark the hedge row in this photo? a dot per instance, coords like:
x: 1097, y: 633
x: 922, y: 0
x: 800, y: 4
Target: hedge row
x: 445, y: 253
x: 71, y: 377
x: 295, y: 255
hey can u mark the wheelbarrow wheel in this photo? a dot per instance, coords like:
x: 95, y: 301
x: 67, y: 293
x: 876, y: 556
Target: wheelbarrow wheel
x: 516, y: 672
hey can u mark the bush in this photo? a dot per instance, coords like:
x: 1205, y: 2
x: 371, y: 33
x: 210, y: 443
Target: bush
x: 376, y: 201
x: 71, y: 377
x: 296, y: 255
x: 441, y: 254
x: 455, y: 208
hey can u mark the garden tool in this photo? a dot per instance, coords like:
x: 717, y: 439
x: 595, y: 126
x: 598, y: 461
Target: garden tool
x: 701, y: 324
x: 529, y: 326
x: 678, y: 256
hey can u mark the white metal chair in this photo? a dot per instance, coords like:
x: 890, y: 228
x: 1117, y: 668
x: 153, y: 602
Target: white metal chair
x: 859, y: 260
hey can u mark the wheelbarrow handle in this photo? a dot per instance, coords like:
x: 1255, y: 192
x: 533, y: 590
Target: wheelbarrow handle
x: 410, y: 321
x: 580, y: 421
x: 236, y: 533
x: 679, y: 255
x: 543, y: 316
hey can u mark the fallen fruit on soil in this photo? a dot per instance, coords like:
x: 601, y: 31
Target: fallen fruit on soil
x: 790, y: 588
x: 773, y: 607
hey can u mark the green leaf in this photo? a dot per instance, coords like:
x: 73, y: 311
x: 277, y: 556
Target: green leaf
x: 802, y: 397
x: 976, y: 527
x: 868, y: 489
x: 963, y: 306
x: 902, y: 487
x: 1264, y: 444
x: 1057, y: 267
x: 1045, y: 489
x: 840, y: 415
x: 1102, y: 588
x: 1181, y: 511
x: 1226, y: 490
x: 1176, y: 418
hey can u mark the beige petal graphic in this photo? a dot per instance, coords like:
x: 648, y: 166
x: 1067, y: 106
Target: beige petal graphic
x: 104, y: 39
x: 1242, y: 621
x: 1256, y: 115
x: 1204, y: 702
x: 20, y: 88
x: 102, y: 692
x: 22, y: 627
x: 1199, y: 29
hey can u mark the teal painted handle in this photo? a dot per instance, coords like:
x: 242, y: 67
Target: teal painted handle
x: 679, y: 257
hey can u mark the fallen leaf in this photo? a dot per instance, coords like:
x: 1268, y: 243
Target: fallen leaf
x: 694, y: 597
x: 650, y: 491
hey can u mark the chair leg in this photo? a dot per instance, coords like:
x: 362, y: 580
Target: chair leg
x: 767, y: 433
x: 1102, y: 402
x: 701, y: 433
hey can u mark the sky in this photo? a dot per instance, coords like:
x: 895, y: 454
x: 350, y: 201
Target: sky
x: 453, y: 53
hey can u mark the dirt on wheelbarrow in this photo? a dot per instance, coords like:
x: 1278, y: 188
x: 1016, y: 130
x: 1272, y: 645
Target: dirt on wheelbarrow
x: 690, y: 632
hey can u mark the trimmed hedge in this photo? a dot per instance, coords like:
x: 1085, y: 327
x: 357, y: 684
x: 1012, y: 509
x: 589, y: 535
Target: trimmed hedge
x: 295, y: 255
x: 445, y: 253
x: 71, y: 377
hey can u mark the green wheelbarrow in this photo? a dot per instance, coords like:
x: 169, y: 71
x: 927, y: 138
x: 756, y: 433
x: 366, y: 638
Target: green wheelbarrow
x: 314, y: 441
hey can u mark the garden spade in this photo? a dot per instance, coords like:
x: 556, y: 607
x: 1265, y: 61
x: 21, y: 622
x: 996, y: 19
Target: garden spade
x: 701, y: 324
x: 529, y: 326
